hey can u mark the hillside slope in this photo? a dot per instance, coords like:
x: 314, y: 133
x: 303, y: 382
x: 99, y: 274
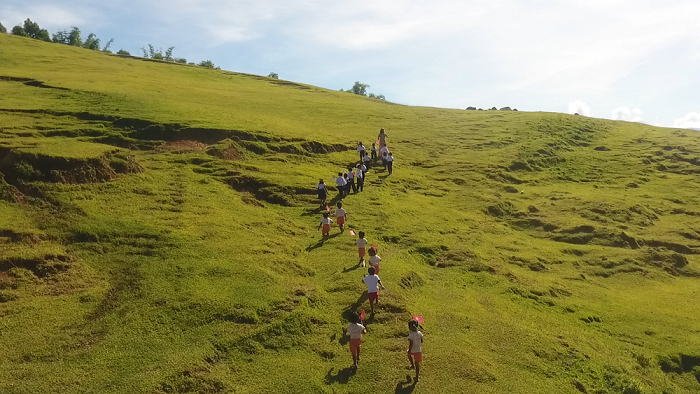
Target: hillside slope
x: 158, y: 235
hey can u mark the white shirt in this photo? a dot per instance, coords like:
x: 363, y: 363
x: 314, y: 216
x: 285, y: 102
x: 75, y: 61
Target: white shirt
x: 361, y: 243
x: 355, y: 330
x: 367, y: 158
x: 363, y: 168
x: 416, y: 338
x: 361, y: 148
x: 374, y: 148
x: 340, y: 181
x: 390, y: 158
x: 340, y: 212
x: 359, y: 173
x: 351, y: 176
x: 321, y: 186
x: 384, y: 150
x: 374, y: 260
x: 326, y: 221
x: 372, y: 282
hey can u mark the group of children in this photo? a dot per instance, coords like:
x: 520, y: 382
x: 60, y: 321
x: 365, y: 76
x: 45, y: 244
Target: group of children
x: 354, y: 180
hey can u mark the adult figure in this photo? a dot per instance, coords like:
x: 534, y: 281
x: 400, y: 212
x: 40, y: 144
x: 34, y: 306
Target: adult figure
x: 382, y: 138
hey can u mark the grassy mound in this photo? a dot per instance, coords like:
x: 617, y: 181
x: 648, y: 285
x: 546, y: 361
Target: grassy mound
x: 163, y: 240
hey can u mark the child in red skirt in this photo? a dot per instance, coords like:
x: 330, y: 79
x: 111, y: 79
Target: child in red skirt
x: 355, y: 331
x: 326, y: 224
x: 415, y: 349
x: 374, y: 259
x: 341, y: 215
x: 373, y: 283
x: 361, y: 247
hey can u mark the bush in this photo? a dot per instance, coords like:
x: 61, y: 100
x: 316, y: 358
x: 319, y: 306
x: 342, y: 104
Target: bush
x: 32, y: 30
x: 123, y: 52
x: 206, y: 64
x: 181, y: 60
x: 273, y: 75
x: 2, y: 29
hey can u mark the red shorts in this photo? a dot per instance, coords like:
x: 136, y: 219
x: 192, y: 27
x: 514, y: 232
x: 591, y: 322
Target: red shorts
x: 340, y: 220
x: 326, y: 228
x: 361, y: 251
x: 355, y: 345
x: 417, y: 357
x: 372, y: 297
x: 376, y: 269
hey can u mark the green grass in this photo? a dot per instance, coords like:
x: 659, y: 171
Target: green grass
x: 536, y: 259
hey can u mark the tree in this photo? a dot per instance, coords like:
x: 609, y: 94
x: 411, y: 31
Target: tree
x: 61, y: 37
x: 359, y: 88
x: 377, y: 96
x: 106, y: 47
x: 206, y: 64
x: 74, y: 37
x: 92, y: 42
x: 123, y: 52
x: 181, y: 60
x: 273, y: 75
x: 19, y: 31
x: 32, y: 30
x: 169, y: 54
x: 3, y: 29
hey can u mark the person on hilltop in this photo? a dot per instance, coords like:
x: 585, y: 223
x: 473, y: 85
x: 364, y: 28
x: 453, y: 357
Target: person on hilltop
x: 382, y: 138
x: 361, y: 149
x: 390, y: 163
x: 341, y: 216
x: 322, y: 192
x: 415, y: 348
x: 361, y: 247
x: 373, y: 283
x: 326, y: 224
x: 341, y: 183
x: 374, y: 260
x: 355, y: 330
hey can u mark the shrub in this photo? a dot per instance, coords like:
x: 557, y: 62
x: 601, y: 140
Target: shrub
x: 123, y: 52
x: 32, y: 30
x: 181, y: 60
x: 19, y: 31
x: 2, y: 29
x: 273, y: 75
x: 206, y: 64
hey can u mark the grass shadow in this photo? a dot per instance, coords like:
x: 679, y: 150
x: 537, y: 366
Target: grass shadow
x: 342, y: 376
x: 405, y: 386
x: 321, y: 242
x: 352, y: 268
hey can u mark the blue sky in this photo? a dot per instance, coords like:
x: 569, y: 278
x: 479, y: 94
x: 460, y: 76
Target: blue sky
x: 618, y: 59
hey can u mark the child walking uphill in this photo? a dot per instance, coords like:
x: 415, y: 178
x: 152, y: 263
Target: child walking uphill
x: 390, y: 163
x: 341, y: 182
x: 374, y: 150
x: 322, y: 193
x: 373, y: 282
x: 355, y: 330
x: 361, y: 247
x: 361, y: 149
x: 415, y: 348
x: 326, y: 224
x: 374, y: 260
x: 341, y: 216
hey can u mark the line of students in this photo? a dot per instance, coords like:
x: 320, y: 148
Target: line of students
x: 345, y: 182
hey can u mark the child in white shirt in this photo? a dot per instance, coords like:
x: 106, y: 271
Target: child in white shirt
x: 341, y: 216
x: 415, y: 348
x: 355, y: 330
x: 374, y: 259
x: 373, y: 282
x: 361, y: 149
x: 341, y: 182
x: 361, y: 247
x: 322, y: 193
x: 326, y: 224
x: 390, y: 162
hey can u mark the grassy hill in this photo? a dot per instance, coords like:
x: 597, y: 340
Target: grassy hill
x: 158, y: 235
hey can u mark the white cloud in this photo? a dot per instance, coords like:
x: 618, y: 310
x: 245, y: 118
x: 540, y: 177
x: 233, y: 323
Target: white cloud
x: 50, y: 17
x: 630, y: 115
x: 579, y: 107
x: 688, y: 121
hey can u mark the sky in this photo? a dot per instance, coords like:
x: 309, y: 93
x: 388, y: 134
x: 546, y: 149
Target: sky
x: 617, y: 59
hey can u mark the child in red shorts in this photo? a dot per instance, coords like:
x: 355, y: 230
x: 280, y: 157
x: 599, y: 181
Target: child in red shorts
x: 355, y: 331
x: 415, y: 349
x: 361, y: 247
x: 326, y: 224
x: 373, y: 282
x: 374, y: 260
x: 341, y: 216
